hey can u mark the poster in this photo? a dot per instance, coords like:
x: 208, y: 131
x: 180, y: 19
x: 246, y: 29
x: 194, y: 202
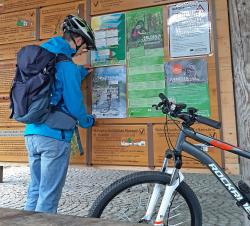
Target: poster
x: 145, y: 61
x: 120, y: 145
x: 187, y: 82
x: 109, y: 92
x: 189, y: 29
x: 110, y: 39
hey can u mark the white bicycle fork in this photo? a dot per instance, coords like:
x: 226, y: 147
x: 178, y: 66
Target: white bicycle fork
x: 165, y: 203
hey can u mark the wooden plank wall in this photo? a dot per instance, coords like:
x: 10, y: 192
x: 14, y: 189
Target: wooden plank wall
x: 36, y: 21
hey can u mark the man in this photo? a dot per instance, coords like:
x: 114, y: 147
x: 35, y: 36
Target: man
x: 49, y: 149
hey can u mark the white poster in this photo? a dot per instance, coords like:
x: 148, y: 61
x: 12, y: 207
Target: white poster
x: 189, y: 29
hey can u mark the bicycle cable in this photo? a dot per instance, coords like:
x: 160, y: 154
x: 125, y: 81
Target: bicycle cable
x: 168, y: 136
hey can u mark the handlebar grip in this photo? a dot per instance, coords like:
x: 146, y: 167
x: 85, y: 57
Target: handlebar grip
x: 163, y: 97
x: 208, y: 121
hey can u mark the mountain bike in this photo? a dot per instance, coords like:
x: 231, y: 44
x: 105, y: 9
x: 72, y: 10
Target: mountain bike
x: 162, y: 197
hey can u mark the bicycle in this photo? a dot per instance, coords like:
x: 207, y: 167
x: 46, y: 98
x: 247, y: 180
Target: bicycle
x: 168, y: 200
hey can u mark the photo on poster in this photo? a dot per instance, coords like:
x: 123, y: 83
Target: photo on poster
x: 109, y: 92
x: 189, y: 29
x: 144, y: 29
x: 187, y: 82
x: 110, y: 39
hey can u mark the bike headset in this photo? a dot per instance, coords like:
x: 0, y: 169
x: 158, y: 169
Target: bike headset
x: 77, y: 25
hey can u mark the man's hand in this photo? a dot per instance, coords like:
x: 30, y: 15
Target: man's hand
x: 89, y: 68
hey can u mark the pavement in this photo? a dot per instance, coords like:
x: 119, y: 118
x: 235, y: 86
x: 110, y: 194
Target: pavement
x: 84, y: 184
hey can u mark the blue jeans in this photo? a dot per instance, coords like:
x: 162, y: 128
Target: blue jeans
x: 48, y: 161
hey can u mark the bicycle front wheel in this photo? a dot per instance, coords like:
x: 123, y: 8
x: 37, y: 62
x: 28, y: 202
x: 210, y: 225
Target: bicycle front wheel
x: 127, y: 198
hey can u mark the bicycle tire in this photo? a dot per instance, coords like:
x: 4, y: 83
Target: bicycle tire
x: 139, y: 178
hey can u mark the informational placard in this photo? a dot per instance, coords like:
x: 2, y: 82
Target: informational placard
x: 18, y: 26
x: 160, y: 144
x: 110, y: 39
x: 52, y: 17
x: 7, y: 73
x: 145, y: 60
x: 187, y: 82
x: 4, y: 116
x: 14, y: 5
x: 120, y: 145
x: 12, y: 149
x: 8, y: 52
x: 109, y: 92
x: 189, y: 29
x: 108, y: 6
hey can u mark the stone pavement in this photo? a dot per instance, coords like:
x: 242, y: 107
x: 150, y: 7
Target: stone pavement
x: 84, y: 184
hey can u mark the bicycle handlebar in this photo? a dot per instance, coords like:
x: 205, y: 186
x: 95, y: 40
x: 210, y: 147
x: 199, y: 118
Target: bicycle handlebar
x: 189, y: 117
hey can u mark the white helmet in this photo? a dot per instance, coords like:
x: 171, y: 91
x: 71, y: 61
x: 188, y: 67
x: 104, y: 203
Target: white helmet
x: 79, y: 26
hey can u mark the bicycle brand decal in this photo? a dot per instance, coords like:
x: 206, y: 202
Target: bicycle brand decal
x: 230, y: 187
x: 221, y: 145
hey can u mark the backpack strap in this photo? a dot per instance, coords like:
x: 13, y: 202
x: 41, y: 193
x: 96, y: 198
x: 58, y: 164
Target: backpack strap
x: 62, y: 57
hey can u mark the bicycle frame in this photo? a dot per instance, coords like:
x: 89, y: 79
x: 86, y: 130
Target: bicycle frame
x: 204, y: 158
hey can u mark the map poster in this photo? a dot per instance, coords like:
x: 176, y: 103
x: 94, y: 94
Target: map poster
x: 145, y: 61
x: 109, y: 92
x: 110, y: 39
x: 187, y: 82
x: 189, y: 29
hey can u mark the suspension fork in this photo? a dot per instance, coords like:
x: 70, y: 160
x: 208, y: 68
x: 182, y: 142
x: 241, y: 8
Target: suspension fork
x: 176, y: 178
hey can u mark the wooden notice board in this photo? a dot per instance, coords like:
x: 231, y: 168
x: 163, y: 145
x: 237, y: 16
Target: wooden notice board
x: 104, y: 6
x: 12, y: 147
x: 160, y: 144
x: 7, y: 72
x: 18, y: 26
x: 53, y: 16
x: 18, y: 5
x: 8, y: 52
x: 4, y: 116
x: 120, y: 145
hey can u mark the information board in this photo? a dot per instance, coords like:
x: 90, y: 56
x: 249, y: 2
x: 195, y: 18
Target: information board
x: 107, y: 6
x: 18, y: 26
x: 4, y: 116
x: 51, y: 17
x: 7, y: 73
x: 12, y: 149
x: 160, y: 144
x: 120, y: 145
x: 8, y: 52
x: 17, y: 5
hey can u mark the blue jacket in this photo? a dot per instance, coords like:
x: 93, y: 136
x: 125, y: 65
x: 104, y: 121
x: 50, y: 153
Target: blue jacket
x: 67, y: 87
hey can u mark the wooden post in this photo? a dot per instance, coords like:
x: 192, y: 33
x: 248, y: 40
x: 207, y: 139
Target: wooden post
x: 1, y: 174
x: 239, y: 13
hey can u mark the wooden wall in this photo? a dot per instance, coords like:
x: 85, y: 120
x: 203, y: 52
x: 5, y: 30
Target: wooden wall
x: 102, y: 144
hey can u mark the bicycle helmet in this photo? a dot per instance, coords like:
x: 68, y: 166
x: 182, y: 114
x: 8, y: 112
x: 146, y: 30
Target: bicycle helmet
x: 77, y: 25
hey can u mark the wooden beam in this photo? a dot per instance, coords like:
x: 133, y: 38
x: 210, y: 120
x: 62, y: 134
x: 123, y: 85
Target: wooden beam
x: 239, y: 12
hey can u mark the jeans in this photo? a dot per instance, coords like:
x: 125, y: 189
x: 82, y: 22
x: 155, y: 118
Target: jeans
x: 48, y: 161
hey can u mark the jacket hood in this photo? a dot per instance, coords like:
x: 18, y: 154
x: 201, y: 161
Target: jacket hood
x: 58, y: 45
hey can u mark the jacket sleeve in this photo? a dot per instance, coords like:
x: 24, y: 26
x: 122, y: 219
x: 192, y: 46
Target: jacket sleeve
x: 72, y: 94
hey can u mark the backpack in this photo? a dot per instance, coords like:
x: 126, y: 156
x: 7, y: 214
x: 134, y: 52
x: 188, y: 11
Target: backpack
x: 31, y: 88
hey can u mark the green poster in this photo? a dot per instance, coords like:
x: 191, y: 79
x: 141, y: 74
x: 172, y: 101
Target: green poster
x: 110, y: 39
x: 144, y: 32
x: 187, y: 82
